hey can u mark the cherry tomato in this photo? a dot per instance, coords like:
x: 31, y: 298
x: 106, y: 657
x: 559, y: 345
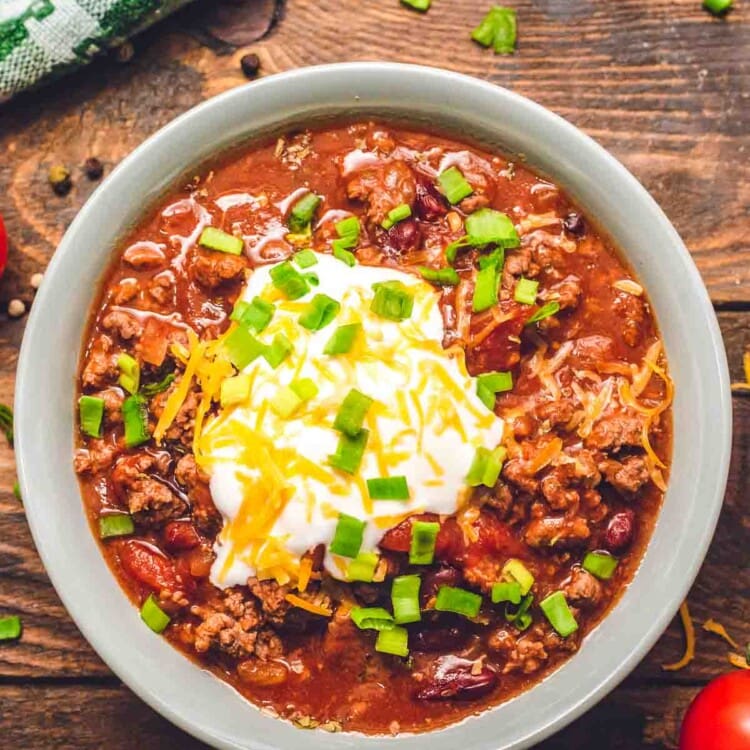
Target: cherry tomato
x: 719, y: 716
x: 3, y: 247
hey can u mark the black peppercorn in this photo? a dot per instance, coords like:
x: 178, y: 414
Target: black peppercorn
x: 93, y: 168
x: 59, y: 178
x: 250, y: 65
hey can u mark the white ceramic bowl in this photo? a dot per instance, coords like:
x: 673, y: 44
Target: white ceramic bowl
x: 45, y: 395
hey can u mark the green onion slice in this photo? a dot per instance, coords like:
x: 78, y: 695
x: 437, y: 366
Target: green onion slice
x: 10, y: 628
x: 135, y: 419
x: 91, y: 412
x: 320, y: 311
x: 256, y: 314
x: 421, y: 5
x: 498, y: 29
x: 405, y: 599
x: 460, y: 601
x: 242, y: 348
x: 343, y: 339
x: 305, y: 258
x: 452, y: 250
x: 151, y: 389
x: 394, y: 641
x: 486, y: 466
x: 557, y: 611
x: 115, y: 524
x: 362, y: 567
x: 388, y: 488
x: 506, y: 591
x: 349, y: 452
x: 347, y: 539
x: 489, y: 227
x: 352, y: 412
x: 423, y: 538
x: 234, y: 390
x: 305, y: 388
x: 279, y: 349
x: 215, y: 239
x: 348, y: 229
x: 515, y: 570
x: 526, y: 291
x: 395, y: 215
x: 520, y: 617
x: 494, y: 259
x: 153, y: 615
x: 302, y: 212
x: 392, y: 300
x: 130, y: 373
x: 289, y: 281
x: 491, y: 383
x: 284, y: 402
x: 486, y: 288
x: 342, y: 254
x: 600, y: 564
x: 371, y: 618
x: 454, y: 185
x: 443, y: 276
x: 717, y: 7
x: 545, y: 311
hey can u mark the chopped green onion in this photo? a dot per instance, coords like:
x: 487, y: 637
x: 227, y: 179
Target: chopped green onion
x: 289, y: 281
x: 405, y: 599
x: 396, y: 214
x: 279, y: 349
x: 17, y: 491
x: 256, y: 314
x: 545, y: 311
x: 423, y: 538
x: 342, y: 254
x: 600, y: 564
x: 485, y: 288
x: 506, y: 591
x: 362, y: 568
x: 420, y: 5
x: 349, y: 452
x: 115, y: 524
x: 371, y: 618
x: 454, y: 186
x: 343, y: 339
x: 491, y: 383
x: 305, y: 258
x: 10, y: 628
x: 352, y: 412
x: 6, y: 423
x: 284, y: 402
x: 556, y: 610
x: 151, y: 389
x: 242, y: 348
x: 489, y: 227
x: 305, y: 388
x: 347, y: 539
x: 215, y: 239
x: 302, y: 212
x: 394, y: 641
x: 460, y: 601
x: 521, y: 617
x: 153, y: 615
x: 135, y: 419
x: 348, y: 229
x: 444, y: 276
x: 235, y: 390
x: 388, y: 488
x: 130, y: 373
x: 495, y: 259
x: 320, y: 311
x: 515, y: 570
x: 486, y: 466
x: 526, y: 291
x: 91, y: 411
x: 312, y: 279
x: 498, y: 29
x: 392, y: 300
x: 452, y: 250
x: 717, y: 7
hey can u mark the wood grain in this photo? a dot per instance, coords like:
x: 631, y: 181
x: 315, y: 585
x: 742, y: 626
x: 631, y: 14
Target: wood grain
x: 665, y: 90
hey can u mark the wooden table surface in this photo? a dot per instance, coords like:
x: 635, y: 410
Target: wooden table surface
x: 661, y: 84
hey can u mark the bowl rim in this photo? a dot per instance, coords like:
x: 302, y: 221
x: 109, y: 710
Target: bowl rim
x: 28, y: 452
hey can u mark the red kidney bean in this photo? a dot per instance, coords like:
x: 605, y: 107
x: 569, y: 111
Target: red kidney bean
x: 459, y: 684
x: 620, y: 529
x: 180, y: 535
x: 437, y: 639
x: 403, y: 236
x: 575, y: 224
x: 432, y: 580
x: 429, y: 204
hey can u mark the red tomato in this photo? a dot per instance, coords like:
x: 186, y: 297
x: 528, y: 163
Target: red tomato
x: 719, y: 716
x: 3, y: 246
x: 148, y: 565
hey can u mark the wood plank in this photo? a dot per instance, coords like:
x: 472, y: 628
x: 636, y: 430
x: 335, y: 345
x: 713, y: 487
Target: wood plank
x: 81, y: 716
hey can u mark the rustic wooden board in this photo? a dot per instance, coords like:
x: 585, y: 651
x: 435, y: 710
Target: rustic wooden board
x: 663, y: 87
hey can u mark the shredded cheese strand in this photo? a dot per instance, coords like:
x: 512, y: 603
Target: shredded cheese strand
x: 300, y: 603
x: 689, y: 628
x: 717, y: 628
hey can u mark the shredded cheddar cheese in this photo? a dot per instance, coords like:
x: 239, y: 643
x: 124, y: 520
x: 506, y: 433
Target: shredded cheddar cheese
x: 718, y: 629
x: 689, y: 628
x: 316, y: 609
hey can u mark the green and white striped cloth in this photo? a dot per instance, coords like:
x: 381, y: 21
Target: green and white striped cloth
x: 44, y: 38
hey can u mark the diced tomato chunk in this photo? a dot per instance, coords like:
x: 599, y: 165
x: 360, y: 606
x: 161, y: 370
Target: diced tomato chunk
x: 149, y: 566
x: 398, y: 539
